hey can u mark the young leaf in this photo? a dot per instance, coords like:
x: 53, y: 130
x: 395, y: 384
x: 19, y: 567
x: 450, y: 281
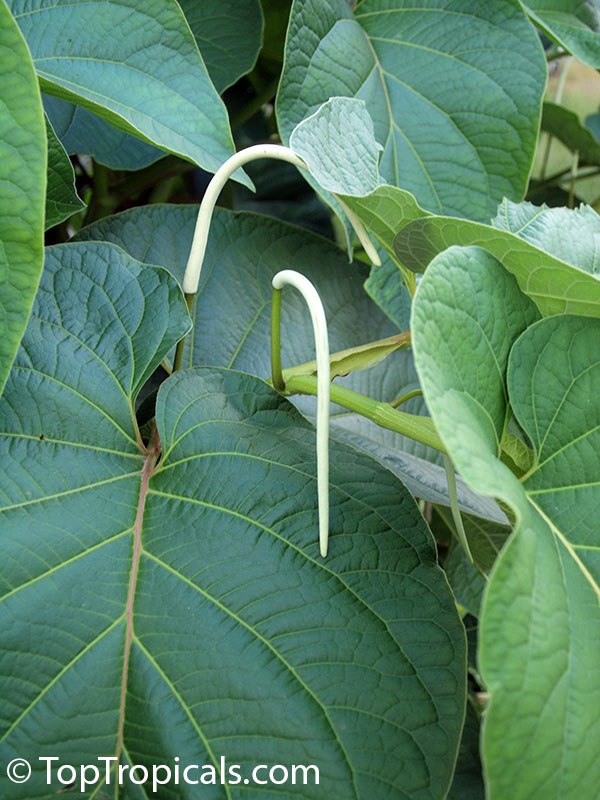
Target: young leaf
x: 439, y: 82
x: 157, y: 595
x: 571, y: 235
x: 540, y: 623
x: 573, y: 24
x: 23, y: 161
x: 62, y: 200
x: 338, y: 145
x: 136, y: 65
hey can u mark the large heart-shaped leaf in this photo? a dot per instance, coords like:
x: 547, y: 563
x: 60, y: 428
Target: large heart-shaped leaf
x: 62, y: 199
x: 135, y: 64
x: 440, y: 81
x: 232, y: 320
x: 574, y: 24
x: 167, y: 595
x: 540, y: 623
x: 23, y: 161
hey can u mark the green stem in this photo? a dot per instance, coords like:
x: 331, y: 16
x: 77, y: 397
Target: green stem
x: 573, y: 179
x: 276, y: 370
x: 420, y: 429
x: 103, y: 203
x: 163, y: 190
x: 566, y: 175
x: 403, y: 398
x: 178, y: 360
x: 454, y: 508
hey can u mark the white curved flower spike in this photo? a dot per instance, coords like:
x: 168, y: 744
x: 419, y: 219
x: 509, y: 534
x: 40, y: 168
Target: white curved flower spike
x: 218, y: 181
x: 289, y: 277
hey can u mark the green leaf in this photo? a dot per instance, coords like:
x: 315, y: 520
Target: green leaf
x: 572, y: 235
x: 232, y: 319
x: 179, y: 607
x: 228, y: 34
x: 553, y: 380
x: 83, y: 132
x: 464, y: 335
x: 574, y: 24
x: 566, y: 126
x: 592, y: 121
x: 62, y: 200
x: 467, y: 783
x: 147, y: 77
x: 485, y: 538
x: 540, y: 623
x: 386, y: 287
x: 440, y: 84
x: 23, y: 161
x: 413, y: 237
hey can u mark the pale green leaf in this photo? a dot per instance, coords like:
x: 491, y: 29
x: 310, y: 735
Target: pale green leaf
x: 574, y: 24
x: 454, y: 91
x: 135, y: 64
x: 572, y: 235
x: 540, y: 623
x: 23, y: 160
x: 338, y: 145
x: 179, y: 607
x: 554, y: 383
x: 414, y: 237
x: 386, y: 287
x: 62, y: 200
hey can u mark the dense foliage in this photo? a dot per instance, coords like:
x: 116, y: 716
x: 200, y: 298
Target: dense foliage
x: 162, y: 593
